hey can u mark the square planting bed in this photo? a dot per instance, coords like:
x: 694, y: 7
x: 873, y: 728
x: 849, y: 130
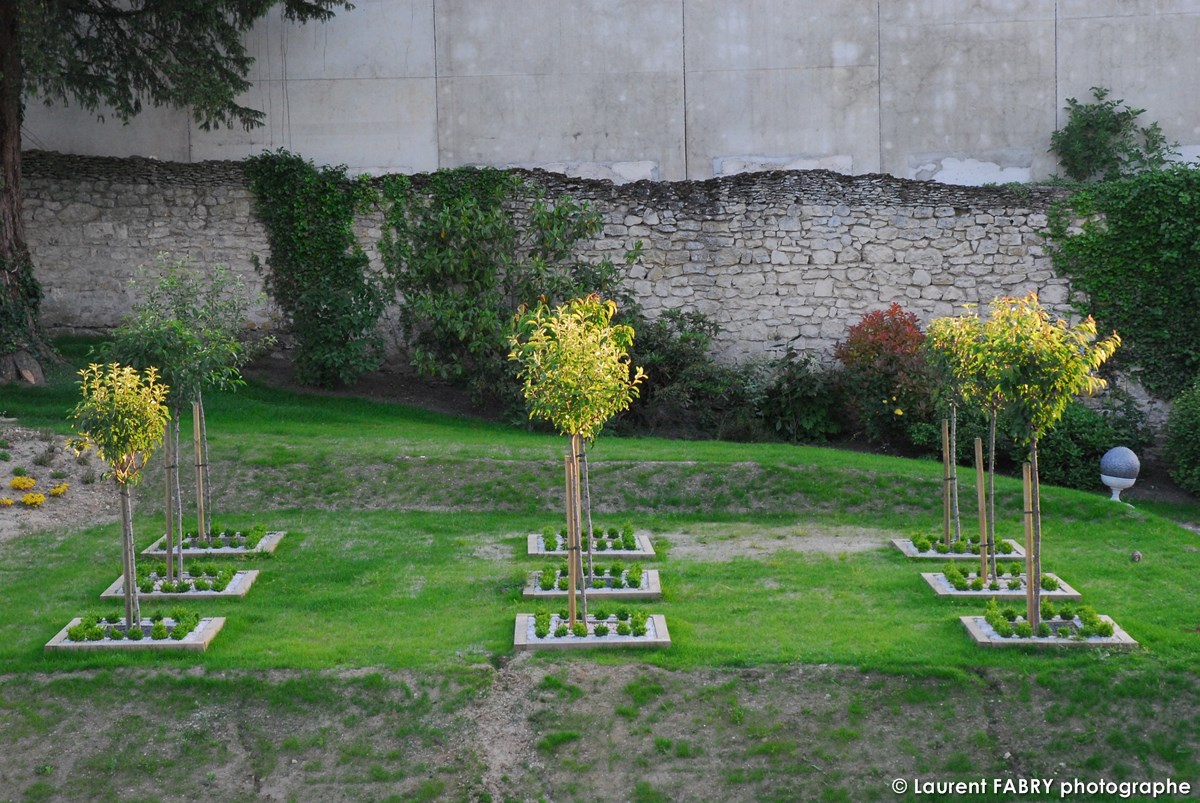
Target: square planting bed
x: 525, y: 636
x: 195, y: 641
x: 221, y: 547
x: 237, y: 587
x: 905, y: 545
x: 537, y: 546
x: 650, y: 589
x: 985, y: 636
x: 938, y: 582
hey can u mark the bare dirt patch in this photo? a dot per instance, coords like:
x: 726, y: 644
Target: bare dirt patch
x: 726, y: 540
x: 46, y: 458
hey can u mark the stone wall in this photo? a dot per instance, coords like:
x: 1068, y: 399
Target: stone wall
x: 782, y: 260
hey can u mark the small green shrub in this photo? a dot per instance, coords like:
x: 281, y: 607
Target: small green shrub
x: 1103, y: 141
x: 1049, y: 583
x: 5, y: 456
x: 546, y: 580
x: 1023, y: 630
x: 564, y: 583
x: 942, y: 548
x: 135, y: 633
x: 1009, y: 614
x: 1015, y: 584
x: 561, y: 631
x: 579, y: 630
x: 600, y: 630
x: 922, y: 545
x: 623, y: 629
x: 1004, y: 548
x: 159, y: 631
x: 622, y: 614
x: 1044, y: 630
x: 20, y: 471
x: 977, y: 584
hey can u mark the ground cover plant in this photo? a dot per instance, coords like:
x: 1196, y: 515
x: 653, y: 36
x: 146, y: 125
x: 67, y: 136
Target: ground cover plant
x: 405, y: 560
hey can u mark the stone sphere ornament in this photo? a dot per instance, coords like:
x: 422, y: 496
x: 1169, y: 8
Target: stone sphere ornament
x: 1119, y: 469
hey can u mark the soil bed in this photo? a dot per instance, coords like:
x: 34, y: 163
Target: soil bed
x: 221, y: 547
x: 237, y: 587
x: 938, y: 582
x: 537, y: 546
x: 195, y: 641
x: 650, y: 589
x: 525, y: 637
x: 985, y: 636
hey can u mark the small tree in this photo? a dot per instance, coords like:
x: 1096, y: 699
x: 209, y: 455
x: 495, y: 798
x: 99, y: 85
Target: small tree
x: 188, y: 324
x: 124, y: 416
x: 575, y: 373
x: 1039, y: 365
x: 959, y: 348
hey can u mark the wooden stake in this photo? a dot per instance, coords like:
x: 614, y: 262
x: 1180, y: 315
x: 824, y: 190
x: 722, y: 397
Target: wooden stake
x: 201, y: 519
x: 946, y: 481
x: 981, y: 494
x: 1031, y: 615
x: 169, y: 508
x: 572, y: 577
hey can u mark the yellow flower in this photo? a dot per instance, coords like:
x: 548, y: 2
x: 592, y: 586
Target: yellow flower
x: 22, y: 483
x: 898, y: 412
x: 5, y: 502
x: 33, y: 500
x: 59, y: 490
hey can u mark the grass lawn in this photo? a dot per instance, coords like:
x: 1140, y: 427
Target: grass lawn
x: 374, y: 651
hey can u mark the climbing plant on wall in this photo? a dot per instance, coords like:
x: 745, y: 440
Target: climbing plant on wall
x: 317, y: 272
x: 1136, y: 264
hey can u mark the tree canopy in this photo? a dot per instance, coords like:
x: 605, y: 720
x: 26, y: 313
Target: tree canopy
x: 117, y: 56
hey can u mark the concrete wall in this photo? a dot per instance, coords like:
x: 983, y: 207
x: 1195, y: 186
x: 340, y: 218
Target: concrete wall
x: 960, y: 91
x: 782, y: 260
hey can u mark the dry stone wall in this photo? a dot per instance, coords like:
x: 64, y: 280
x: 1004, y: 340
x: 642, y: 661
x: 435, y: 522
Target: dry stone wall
x: 782, y: 260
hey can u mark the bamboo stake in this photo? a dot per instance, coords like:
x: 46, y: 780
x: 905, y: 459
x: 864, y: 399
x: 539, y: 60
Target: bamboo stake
x: 1033, y: 559
x: 981, y: 495
x: 571, y: 575
x: 954, y: 472
x: 200, y: 514
x: 204, y: 466
x: 587, y: 510
x: 946, y: 481
x: 1027, y: 480
x: 169, y: 472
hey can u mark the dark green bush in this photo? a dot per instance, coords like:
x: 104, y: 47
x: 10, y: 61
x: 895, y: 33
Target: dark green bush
x: 801, y: 401
x: 1183, y: 440
x: 1102, y: 140
x: 1069, y: 454
x: 687, y: 393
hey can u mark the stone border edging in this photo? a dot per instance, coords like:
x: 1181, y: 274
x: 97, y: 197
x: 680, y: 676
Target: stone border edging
x: 536, y: 546
x: 237, y: 587
x: 938, y: 582
x: 983, y: 635
x: 905, y: 545
x: 651, y: 589
x: 656, y: 636
x: 266, y: 545
x: 196, y: 641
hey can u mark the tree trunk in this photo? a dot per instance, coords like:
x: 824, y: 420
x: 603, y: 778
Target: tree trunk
x: 133, y: 614
x: 21, y: 342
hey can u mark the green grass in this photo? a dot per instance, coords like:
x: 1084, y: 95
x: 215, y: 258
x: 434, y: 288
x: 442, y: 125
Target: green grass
x: 406, y: 537
x: 386, y: 610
